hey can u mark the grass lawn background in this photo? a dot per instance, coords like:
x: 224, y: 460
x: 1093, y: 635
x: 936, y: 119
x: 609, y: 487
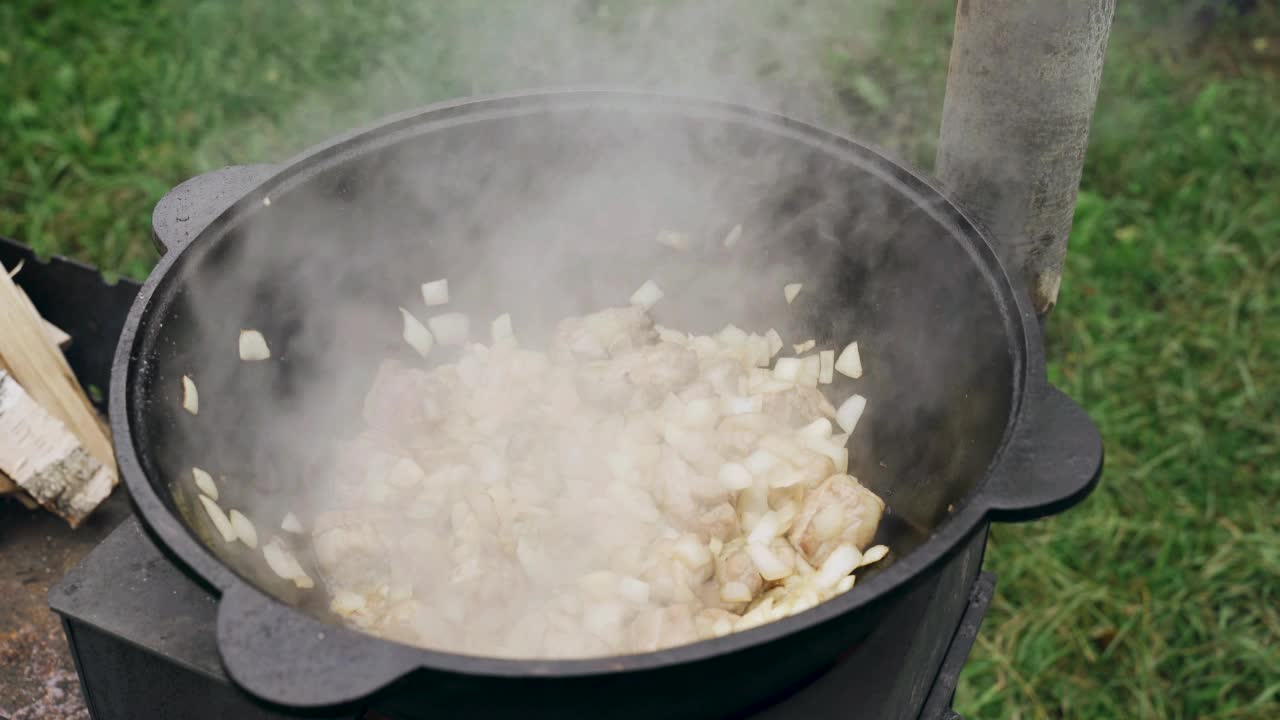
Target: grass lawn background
x: 1158, y: 598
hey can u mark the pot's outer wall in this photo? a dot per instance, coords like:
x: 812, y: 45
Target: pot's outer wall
x: 884, y: 258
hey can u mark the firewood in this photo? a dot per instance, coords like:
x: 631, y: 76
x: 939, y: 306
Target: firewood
x: 45, y: 459
x: 55, y: 334
x: 39, y: 367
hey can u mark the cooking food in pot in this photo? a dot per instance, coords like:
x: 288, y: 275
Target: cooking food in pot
x: 628, y: 489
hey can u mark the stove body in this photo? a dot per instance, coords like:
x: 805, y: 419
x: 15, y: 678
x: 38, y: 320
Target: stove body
x: 143, y: 637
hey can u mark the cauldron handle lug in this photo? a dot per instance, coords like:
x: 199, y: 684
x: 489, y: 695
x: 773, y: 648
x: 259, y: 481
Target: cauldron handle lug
x: 189, y: 208
x: 287, y: 658
x: 1051, y: 462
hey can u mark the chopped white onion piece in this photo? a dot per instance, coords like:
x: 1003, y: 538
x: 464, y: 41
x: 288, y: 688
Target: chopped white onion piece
x: 244, y: 528
x: 673, y: 239
x: 633, y: 590
x: 818, y: 429
x: 768, y: 528
x: 715, y: 545
x: 279, y: 561
x: 732, y: 335
x: 253, y: 346
x: 219, y: 519
x: 647, y: 296
x: 787, y: 369
x: 837, y: 566
x: 450, y: 328
x: 775, y: 341
x: 840, y: 459
x: 416, y: 334
x: 874, y: 554
x: 850, y: 362
x: 810, y: 368
x: 304, y: 581
x: 204, y: 482
x: 826, y: 366
x: 760, y: 462
x: 291, y: 524
x: 791, y: 291
x: 804, y: 347
x: 735, y: 592
x: 435, y: 293
x: 500, y: 330
x: 603, y: 618
x: 850, y: 412
x: 767, y: 563
x: 742, y: 405
x: 190, y: 396
x: 690, y: 550
x: 734, y: 235
x: 701, y: 413
x: 735, y: 476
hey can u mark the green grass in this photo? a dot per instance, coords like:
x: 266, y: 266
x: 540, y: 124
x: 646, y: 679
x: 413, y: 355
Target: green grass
x: 1157, y: 598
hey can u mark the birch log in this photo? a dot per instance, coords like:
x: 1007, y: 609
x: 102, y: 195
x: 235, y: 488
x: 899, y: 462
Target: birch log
x: 45, y: 459
x: 42, y: 371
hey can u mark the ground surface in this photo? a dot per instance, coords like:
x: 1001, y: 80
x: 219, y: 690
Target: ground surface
x: 1156, y: 599
x: 39, y: 678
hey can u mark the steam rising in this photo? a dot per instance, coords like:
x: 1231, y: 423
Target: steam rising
x: 544, y: 217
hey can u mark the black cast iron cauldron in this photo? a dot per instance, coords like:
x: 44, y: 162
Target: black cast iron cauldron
x: 962, y: 427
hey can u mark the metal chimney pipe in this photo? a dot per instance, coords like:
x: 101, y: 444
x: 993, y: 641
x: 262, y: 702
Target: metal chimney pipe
x: 1021, y: 90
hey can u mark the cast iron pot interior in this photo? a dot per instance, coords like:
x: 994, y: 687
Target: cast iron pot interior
x: 957, y: 399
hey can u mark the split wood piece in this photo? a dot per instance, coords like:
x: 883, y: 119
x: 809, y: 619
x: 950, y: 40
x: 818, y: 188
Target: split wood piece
x: 44, y: 458
x: 43, y: 373
x: 55, y: 334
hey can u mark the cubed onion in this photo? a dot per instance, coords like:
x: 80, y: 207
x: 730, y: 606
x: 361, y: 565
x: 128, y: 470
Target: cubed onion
x: 253, y: 346
x: 190, y: 396
x: 219, y: 519
x: 826, y: 366
x: 244, y: 528
x: 850, y: 362
x: 838, y: 565
x: 787, y: 369
x: 791, y: 291
x: 416, y: 334
x: 647, y: 296
x: 450, y: 328
x: 204, y: 482
x: 767, y: 563
x: 850, y: 412
x: 435, y: 293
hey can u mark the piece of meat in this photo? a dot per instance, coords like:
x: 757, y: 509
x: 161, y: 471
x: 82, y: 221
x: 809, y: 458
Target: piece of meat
x: 659, y: 369
x: 682, y: 492
x: 658, y: 628
x: 860, y: 515
x: 604, y: 384
x: 352, y: 555
x: 735, y: 565
x: 601, y: 335
x: 798, y: 406
x: 404, y: 403
x: 719, y: 522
